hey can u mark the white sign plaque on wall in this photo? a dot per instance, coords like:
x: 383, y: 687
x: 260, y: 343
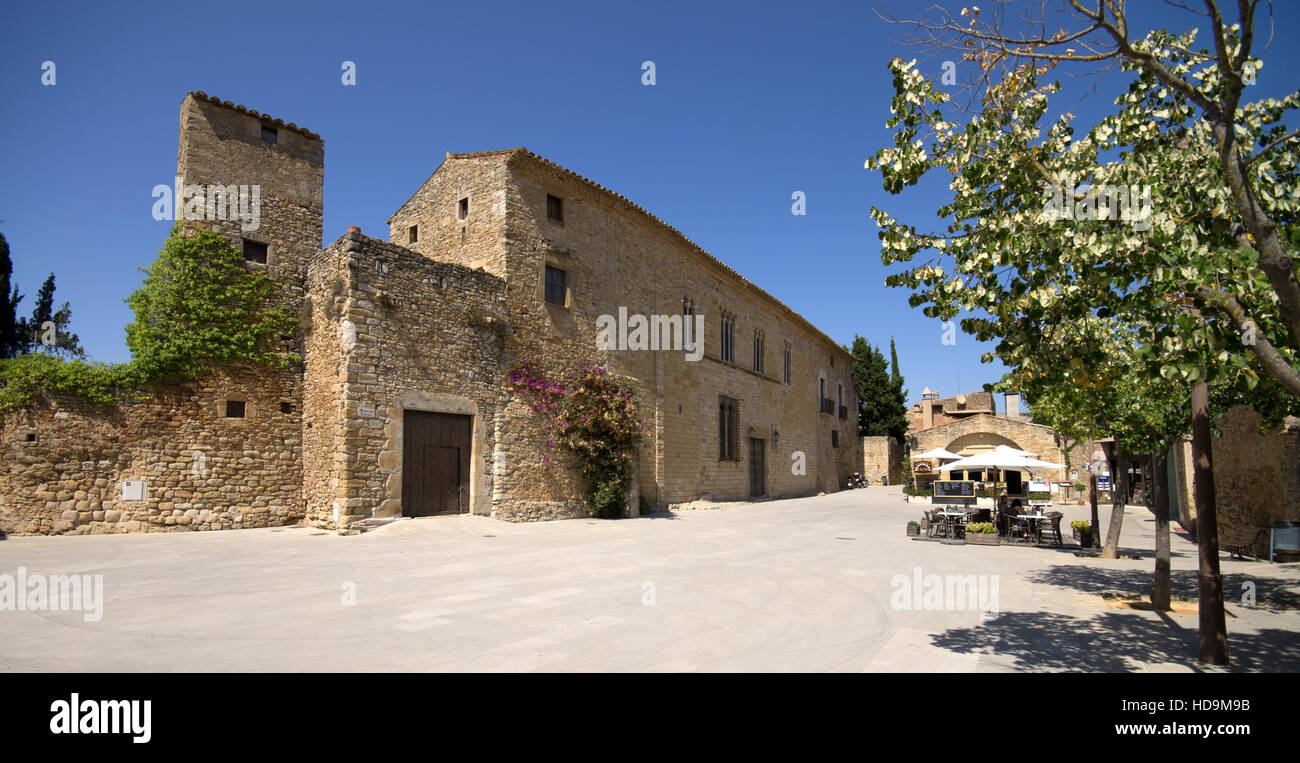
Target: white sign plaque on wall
x: 134, y: 490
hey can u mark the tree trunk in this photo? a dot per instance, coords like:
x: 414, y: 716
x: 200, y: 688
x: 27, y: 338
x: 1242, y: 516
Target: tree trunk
x: 1214, y: 631
x: 1096, y: 522
x: 1160, y: 500
x: 1119, y: 496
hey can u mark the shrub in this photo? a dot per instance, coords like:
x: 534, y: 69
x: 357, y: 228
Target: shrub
x: 980, y: 528
x: 1081, y: 526
x: 22, y: 377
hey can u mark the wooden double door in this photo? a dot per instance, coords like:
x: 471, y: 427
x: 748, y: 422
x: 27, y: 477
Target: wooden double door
x: 435, y: 463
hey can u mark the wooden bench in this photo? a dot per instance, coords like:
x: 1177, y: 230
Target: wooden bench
x: 1242, y: 541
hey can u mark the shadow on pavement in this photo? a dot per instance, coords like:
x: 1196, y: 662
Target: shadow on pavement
x: 1271, y: 594
x: 1113, y: 642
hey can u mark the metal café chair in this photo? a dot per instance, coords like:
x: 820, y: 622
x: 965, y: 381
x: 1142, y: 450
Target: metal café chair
x: 1051, y: 526
x: 938, y: 523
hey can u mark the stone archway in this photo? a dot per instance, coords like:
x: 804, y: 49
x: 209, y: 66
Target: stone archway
x: 980, y: 442
x: 974, y: 443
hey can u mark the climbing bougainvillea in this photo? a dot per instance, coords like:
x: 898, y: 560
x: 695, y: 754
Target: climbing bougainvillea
x: 592, y: 414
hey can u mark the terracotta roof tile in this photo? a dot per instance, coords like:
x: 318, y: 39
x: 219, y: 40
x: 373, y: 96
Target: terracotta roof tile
x: 267, y: 117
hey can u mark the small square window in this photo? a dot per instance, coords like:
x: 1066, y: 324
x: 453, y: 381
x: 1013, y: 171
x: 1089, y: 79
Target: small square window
x: 462, y: 209
x: 235, y: 409
x: 31, y: 437
x: 270, y: 134
x: 413, y: 234
x: 254, y: 251
x: 286, y: 407
x: 555, y: 286
x: 555, y: 208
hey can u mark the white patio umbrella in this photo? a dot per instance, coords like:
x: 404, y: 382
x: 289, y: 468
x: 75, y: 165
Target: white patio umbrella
x: 999, y: 460
x: 938, y: 453
x: 996, y: 460
x: 1008, y: 450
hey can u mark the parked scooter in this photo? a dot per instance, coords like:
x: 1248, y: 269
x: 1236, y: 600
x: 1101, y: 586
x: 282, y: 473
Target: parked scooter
x: 856, y: 480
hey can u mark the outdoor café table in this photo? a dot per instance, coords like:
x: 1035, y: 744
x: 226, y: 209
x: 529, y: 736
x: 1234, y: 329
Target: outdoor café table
x: 950, y: 520
x: 1031, y: 522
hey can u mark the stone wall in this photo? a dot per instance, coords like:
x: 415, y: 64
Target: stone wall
x: 394, y: 331
x: 478, y: 239
x: 1256, y: 476
x: 882, y: 457
x: 63, y: 461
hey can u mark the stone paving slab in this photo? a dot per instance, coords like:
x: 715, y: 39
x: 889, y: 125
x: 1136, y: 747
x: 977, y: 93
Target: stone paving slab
x: 812, y: 584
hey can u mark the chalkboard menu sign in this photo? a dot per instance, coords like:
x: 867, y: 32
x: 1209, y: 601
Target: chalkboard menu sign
x: 954, y: 489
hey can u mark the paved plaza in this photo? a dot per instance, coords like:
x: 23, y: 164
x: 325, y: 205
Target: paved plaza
x: 809, y: 584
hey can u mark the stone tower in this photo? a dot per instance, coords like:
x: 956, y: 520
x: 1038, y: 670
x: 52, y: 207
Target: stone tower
x: 261, y: 184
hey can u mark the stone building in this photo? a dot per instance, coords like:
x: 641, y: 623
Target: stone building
x: 933, y: 410
x: 969, y: 425
x: 882, y: 459
x: 400, y: 406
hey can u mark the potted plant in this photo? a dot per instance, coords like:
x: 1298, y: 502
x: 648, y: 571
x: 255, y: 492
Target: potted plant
x: 914, y: 528
x: 981, y: 534
x: 1079, y: 487
x: 1083, y: 528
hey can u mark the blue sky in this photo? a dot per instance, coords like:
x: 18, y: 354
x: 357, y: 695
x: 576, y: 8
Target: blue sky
x: 752, y: 102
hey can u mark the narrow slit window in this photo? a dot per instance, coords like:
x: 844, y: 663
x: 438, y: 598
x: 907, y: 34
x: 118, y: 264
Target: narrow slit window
x: 728, y: 428
x: 555, y: 208
x: 462, y: 209
x: 413, y: 234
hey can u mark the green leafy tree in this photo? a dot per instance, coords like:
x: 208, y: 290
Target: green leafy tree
x: 1037, y: 232
x: 882, y: 409
x: 200, y: 304
x: 1175, y: 212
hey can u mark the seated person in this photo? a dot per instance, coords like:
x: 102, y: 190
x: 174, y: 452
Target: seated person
x: 1013, y: 511
x: 1004, y: 524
